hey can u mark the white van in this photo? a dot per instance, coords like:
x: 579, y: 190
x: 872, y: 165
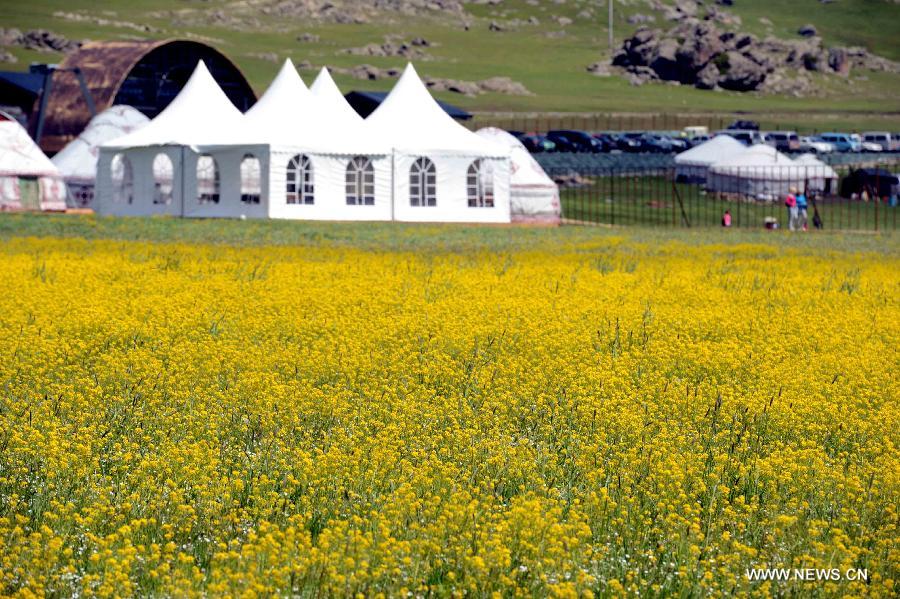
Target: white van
x: 882, y: 138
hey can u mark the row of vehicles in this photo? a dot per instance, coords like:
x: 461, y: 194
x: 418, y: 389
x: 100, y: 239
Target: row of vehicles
x: 747, y: 132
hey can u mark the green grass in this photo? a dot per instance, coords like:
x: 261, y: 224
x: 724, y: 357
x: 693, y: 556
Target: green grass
x: 552, y: 68
x: 654, y: 201
x: 416, y: 238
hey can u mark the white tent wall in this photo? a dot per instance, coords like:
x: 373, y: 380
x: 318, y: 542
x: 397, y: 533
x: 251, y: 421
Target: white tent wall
x: 452, y: 202
x: 185, y: 189
x: 329, y: 183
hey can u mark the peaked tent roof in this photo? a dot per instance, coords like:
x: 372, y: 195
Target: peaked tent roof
x: 412, y: 122
x: 758, y: 161
x: 364, y: 102
x: 78, y: 160
x: 289, y: 114
x: 720, y: 147
x: 20, y: 156
x: 525, y: 170
x: 201, y: 114
x: 331, y: 97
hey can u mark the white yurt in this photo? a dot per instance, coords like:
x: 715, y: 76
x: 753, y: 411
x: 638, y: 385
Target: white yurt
x: 324, y: 164
x: 815, y: 175
x: 195, y: 159
x: 533, y: 196
x: 28, y: 179
x: 691, y: 166
x: 442, y: 172
x: 78, y: 160
x: 760, y: 171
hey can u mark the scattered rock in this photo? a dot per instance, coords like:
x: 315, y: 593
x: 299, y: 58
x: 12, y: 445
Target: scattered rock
x: 308, y: 38
x: 504, y: 85
x: 808, y: 30
x: 389, y: 48
x: 563, y: 21
x: 37, y: 39
x: 269, y: 56
x: 494, y: 26
x: 600, y: 69
x: 497, y: 85
x: 7, y: 57
x: 640, y: 19
x: 81, y: 18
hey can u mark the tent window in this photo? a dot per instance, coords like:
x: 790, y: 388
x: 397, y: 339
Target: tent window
x: 422, y: 183
x: 360, y: 182
x: 250, y: 183
x: 162, y: 179
x: 480, y: 184
x: 207, y: 180
x: 300, y: 188
x: 123, y: 179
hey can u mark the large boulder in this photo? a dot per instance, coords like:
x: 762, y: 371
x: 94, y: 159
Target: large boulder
x: 740, y: 73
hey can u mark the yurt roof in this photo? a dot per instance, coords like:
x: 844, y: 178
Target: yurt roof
x: 524, y: 169
x: 757, y: 161
x: 201, y: 114
x: 78, y: 160
x: 720, y: 147
x: 412, y: 122
x: 20, y: 156
x: 289, y: 114
x: 816, y: 166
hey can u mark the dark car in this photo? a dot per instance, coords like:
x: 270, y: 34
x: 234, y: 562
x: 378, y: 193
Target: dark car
x: 747, y: 137
x: 629, y: 142
x: 567, y: 140
x: 744, y: 125
x: 607, y: 141
x: 537, y: 143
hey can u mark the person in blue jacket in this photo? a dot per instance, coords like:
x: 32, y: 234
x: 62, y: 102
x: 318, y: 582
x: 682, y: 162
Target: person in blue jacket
x: 802, y: 206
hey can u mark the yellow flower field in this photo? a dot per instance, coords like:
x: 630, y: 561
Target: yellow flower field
x: 601, y: 419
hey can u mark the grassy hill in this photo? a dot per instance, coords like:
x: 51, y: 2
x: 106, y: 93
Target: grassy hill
x: 548, y: 58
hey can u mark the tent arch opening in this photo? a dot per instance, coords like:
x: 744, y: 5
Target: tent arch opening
x: 208, y: 182
x: 162, y: 179
x: 251, y: 187
x: 360, y: 182
x: 122, y: 178
x: 422, y: 183
x: 480, y: 184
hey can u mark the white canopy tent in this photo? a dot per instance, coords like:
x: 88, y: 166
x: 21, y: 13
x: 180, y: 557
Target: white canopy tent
x: 533, y: 196
x: 441, y: 171
x: 691, y: 166
x: 816, y: 175
x: 201, y: 139
x: 760, y: 171
x: 324, y: 163
x: 28, y: 179
x: 78, y: 160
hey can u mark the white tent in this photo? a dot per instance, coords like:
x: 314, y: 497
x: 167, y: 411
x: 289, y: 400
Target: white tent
x: 441, y: 170
x: 760, y: 171
x: 691, y: 166
x: 533, y: 196
x: 78, y: 160
x: 201, y: 139
x: 816, y: 175
x: 324, y: 164
x: 28, y: 180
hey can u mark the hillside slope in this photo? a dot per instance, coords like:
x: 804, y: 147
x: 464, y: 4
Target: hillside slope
x: 545, y: 45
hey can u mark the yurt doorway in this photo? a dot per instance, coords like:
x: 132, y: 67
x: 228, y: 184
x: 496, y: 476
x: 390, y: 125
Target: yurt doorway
x: 29, y: 193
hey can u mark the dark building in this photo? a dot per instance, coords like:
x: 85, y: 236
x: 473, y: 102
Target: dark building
x: 365, y: 103
x: 18, y: 91
x: 144, y: 74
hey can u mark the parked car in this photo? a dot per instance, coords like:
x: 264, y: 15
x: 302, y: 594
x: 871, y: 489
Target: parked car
x: 697, y: 140
x: 608, y: 140
x: 783, y: 141
x: 744, y: 125
x: 568, y: 140
x: 865, y: 146
x: 883, y: 139
x: 537, y: 143
x: 842, y: 142
x: 628, y: 142
x: 815, y: 146
x: 746, y: 137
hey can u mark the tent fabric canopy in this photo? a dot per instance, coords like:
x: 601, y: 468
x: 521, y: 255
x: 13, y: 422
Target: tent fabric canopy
x: 332, y: 100
x: 415, y: 124
x: 78, y: 160
x: 720, y: 147
x: 23, y: 165
x: 201, y: 114
x: 533, y: 195
x: 757, y: 161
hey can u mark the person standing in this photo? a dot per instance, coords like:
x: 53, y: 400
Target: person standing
x: 726, y: 219
x: 791, y: 202
x: 802, y: 205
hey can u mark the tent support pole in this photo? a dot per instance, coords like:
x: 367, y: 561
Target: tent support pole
x: 392, y: 186
x: 182, y: 181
